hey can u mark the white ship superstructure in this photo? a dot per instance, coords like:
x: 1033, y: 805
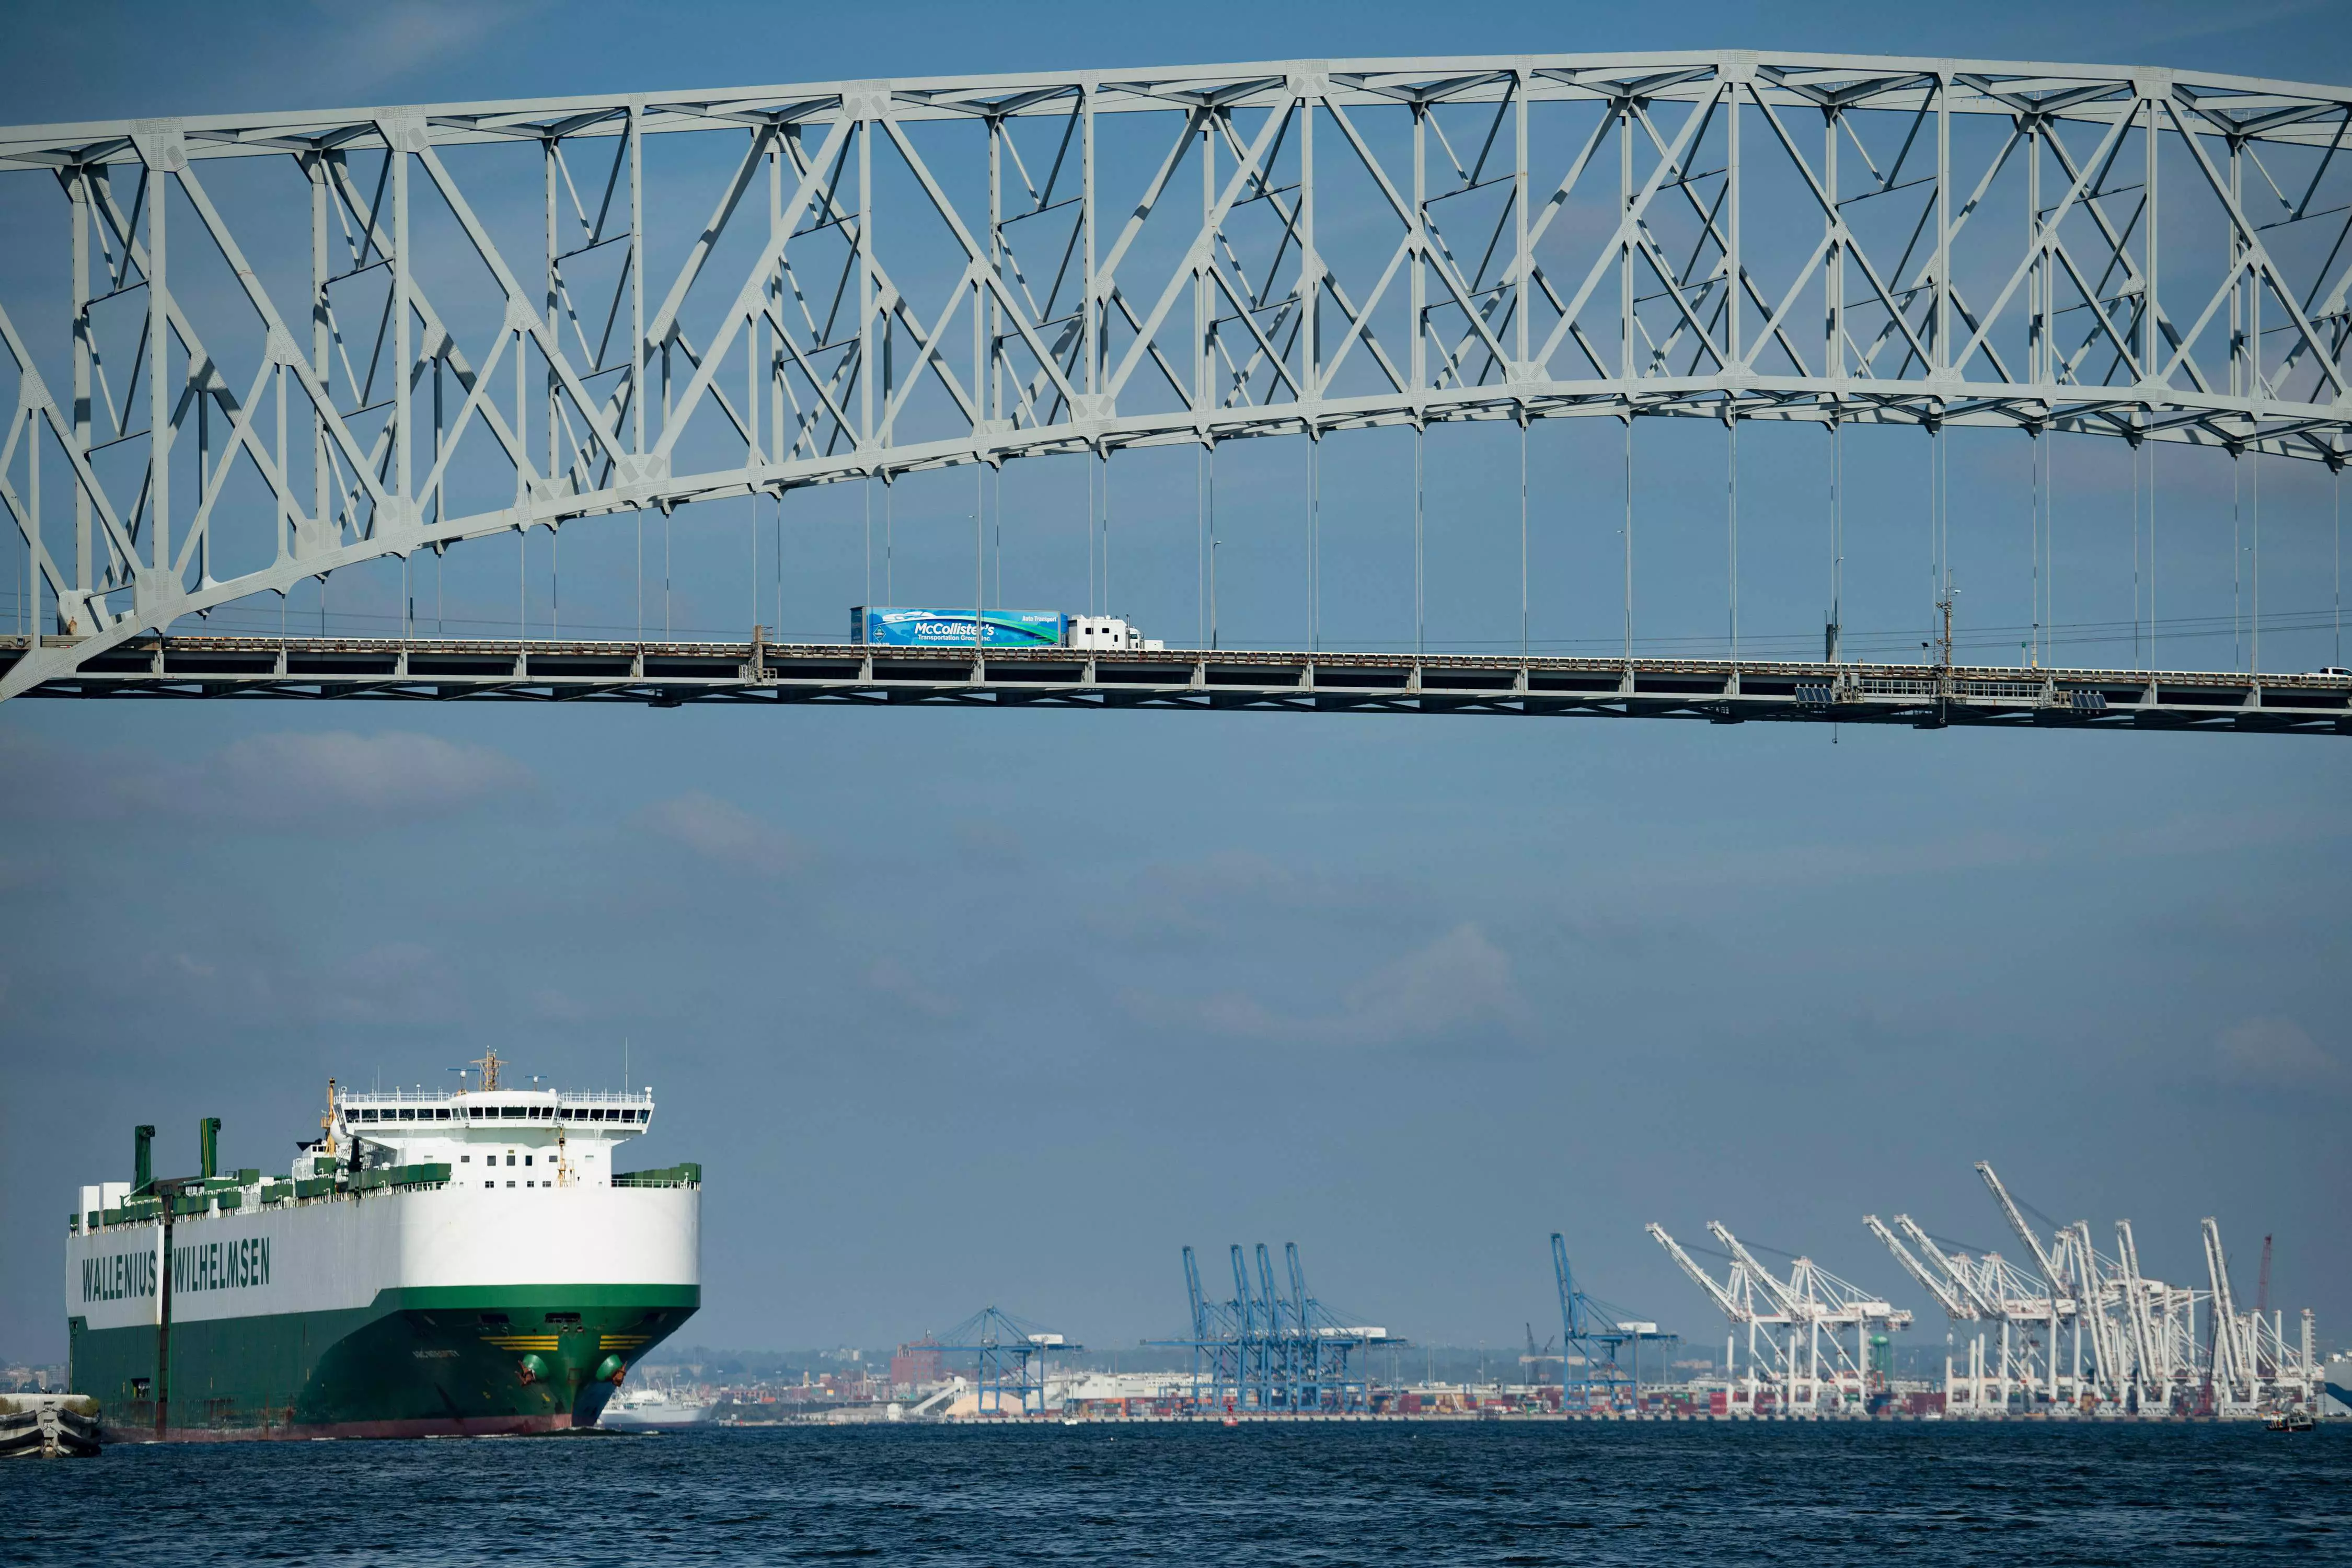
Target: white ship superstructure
x: 523, y: 1139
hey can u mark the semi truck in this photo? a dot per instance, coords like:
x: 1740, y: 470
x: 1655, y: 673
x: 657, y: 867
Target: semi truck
x: 895, y: 626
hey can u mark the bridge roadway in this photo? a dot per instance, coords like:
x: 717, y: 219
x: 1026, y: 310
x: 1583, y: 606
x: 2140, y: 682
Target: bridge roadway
x: 668, y: 674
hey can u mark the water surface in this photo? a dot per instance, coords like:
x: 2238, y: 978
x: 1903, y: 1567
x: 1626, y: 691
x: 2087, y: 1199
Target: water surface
x: 1705, y: 1495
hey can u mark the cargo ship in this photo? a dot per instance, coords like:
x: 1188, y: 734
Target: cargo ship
x: 468, y: 1262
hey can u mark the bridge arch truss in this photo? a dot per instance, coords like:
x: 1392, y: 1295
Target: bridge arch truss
x: 242, y: 351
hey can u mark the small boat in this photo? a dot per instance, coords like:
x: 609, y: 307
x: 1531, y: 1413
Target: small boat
x: 48, y: 1426
x: 2290, y: 1420
x: 650, y: 1409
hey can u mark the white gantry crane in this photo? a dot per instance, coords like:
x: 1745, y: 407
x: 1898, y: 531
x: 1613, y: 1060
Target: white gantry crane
x: 2253, y: 1368
x: 1737, y: 1299
x: 2061, y: 1299
x: 2237, y: 1380
x: 2085, y: 1332
x: 1982, y: 1288
x: 1809, y: 1336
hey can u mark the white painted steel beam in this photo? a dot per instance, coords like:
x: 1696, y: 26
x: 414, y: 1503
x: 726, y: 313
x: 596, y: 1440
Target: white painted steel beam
x: 1378, y: 242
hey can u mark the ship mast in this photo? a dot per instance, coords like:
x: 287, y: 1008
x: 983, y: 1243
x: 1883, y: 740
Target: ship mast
x: 489, y: 1062
x: 328, y: 1120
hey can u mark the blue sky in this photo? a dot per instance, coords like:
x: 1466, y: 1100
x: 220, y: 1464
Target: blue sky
x: 961, y: 1007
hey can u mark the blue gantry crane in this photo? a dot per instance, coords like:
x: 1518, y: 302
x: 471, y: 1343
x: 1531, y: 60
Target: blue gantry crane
x: 1263, y: 1351
x: 1593, y: 1333
x: 1013, y: 1357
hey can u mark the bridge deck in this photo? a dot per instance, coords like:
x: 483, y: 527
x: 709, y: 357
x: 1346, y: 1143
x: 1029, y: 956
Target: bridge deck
x: 667, y: 674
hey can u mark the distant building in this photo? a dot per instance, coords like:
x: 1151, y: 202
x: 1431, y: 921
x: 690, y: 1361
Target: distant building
x: 914, y: 1366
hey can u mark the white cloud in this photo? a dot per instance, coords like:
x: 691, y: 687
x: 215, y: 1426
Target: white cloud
x: 393, y: 982
x: 547, y: 1003
x: 1461, y: 978
x: 2277, y: 1053
x: 893, y: 979
x: 1205, y: 898
x: 283, y: 779
x: 396, y: 773
x: 384, y: 40
x: 1460, y: 981
x: 991, y: 844
x: 726, y: 834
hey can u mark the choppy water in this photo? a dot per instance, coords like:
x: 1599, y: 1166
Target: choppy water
x: 1710, y: 1495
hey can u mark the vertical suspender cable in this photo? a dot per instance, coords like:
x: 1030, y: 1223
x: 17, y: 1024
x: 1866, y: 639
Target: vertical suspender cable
x: 2254, y: 529
x: 1090, y: 539
x: 1831, y: 649
x: 1944, y: 531
x: 1200, y: 546
x: 1939, y: 500
x: 2237, y: 556
x: 2038, y: 437
x: 1629, y: 537
x: 1731, y: 525
x: 666, y: 630
x: 1212, y: 544
x: 2339, y: 660
x: 1314, y: 540
x: 1523, y: 533
x: 869, y: 541
x: 890, y: 541
x: 2134, y: 554
x: 1106, y: 529
x: 1420, y: 599
x: 1935, y: 526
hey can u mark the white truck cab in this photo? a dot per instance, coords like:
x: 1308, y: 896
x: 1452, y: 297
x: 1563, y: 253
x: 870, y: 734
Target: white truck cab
x: 1110, y: 632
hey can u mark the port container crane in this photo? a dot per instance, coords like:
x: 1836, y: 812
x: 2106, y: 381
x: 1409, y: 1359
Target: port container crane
x: 1593, y: 1333
x: 2052, y: 1272
x: 1938, y: 1286
x: 1769, y: 1354
x: 2235, y: 1381
x: 1013, y: 1356
x: 2136, y: 1342
x: 1263, y: 1351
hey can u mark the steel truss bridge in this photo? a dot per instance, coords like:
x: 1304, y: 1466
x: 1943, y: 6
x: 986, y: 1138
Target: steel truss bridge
x: 253, y: 350
x: 665, y: 675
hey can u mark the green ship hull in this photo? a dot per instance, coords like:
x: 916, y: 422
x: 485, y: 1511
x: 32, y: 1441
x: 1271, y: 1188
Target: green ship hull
x: 416, y: 1361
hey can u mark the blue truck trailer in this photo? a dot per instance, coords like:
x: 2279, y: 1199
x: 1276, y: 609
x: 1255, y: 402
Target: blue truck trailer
x: 893, y: 628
